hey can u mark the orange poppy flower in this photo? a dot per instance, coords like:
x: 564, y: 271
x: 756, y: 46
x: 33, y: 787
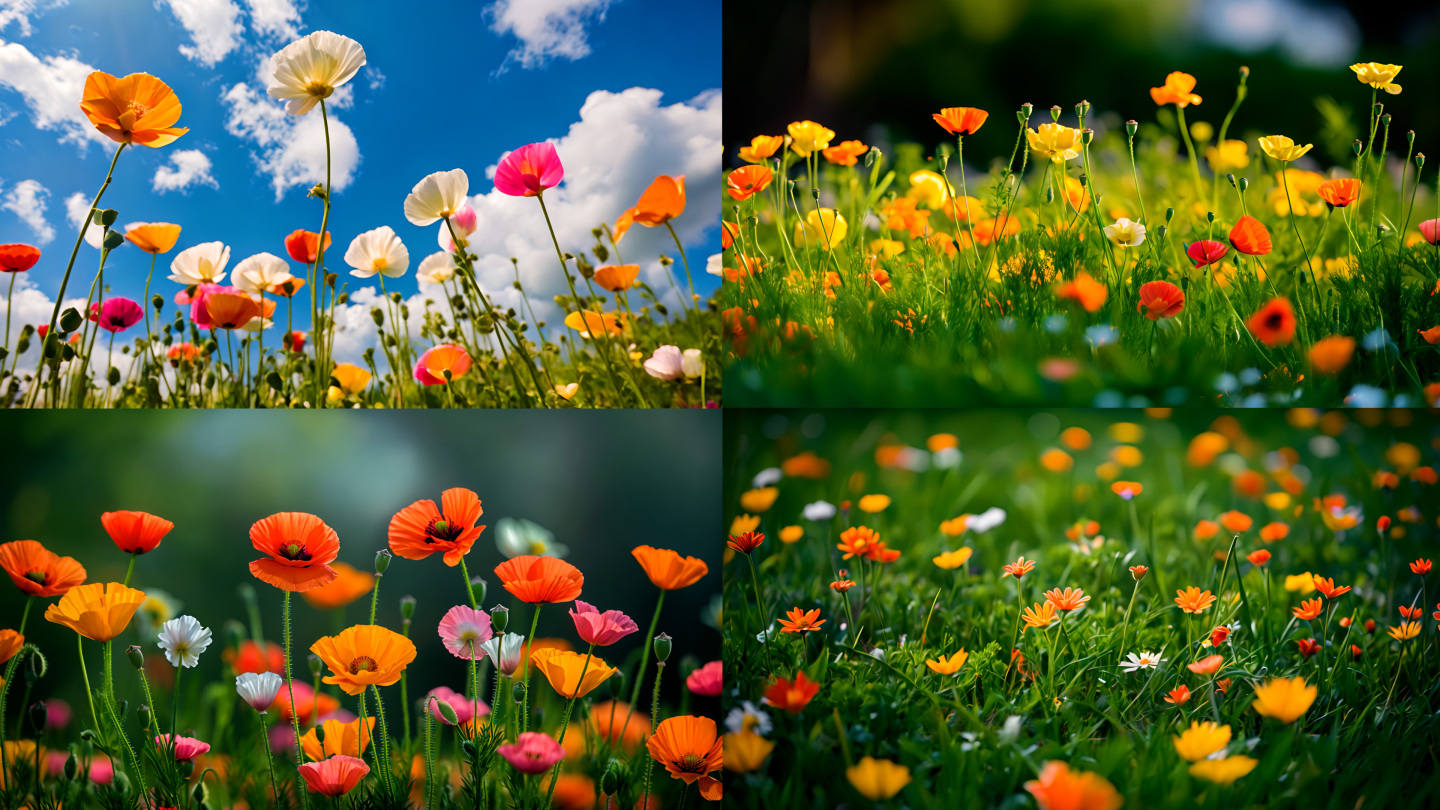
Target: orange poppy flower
x: 617, y: 277
x: 135, y: 532
x: 1193, y: 600
x: 1127, y: 489
x: 38, y: 571
x: 1176, y: 90
x: 960, y: 120
x: 1339, y: 193
x: 1250, y: 237
x: 1327, y: 587
x: 345, y: 739
x: 349, y: 584
x: 136, y: 109
x: 1271, y: 532
x: 364, y: 655
x: 1208, y: 665
x: 420, y: 529
x: 301, y: 548
x: 1085, y: 290
x: 1160, y: 299
x: 1068, y: 599
x: 1431, y: 335
x: 761, y: 147
x: 1178, y: 696
x: 590, y: 323
x: 988, y: 230
x: 791, y: 697
x: 98, y: 611
x: 667, y: 569
x: 1308, y: 646
x: 845, y: 153
x: 663, y: 201
x: 1205, y: 529
x: 1332, y: 354
x: 748, y: 180
x: 1236, y: 521
x: 231, y: 310
x: 1309, y: 609
x: 563, y: 668
x: 1274, y: 323
x: 1060, y: 788
x: 1218, y: 635
x: 251, y: 658
x: 287, y: 289
x: 10, y: 643
x: 801, y: 621
x: 153, y: 237
x: 308, y: 705
x: 690, y: 750
x: 614, y: 720
x: 540, y: 580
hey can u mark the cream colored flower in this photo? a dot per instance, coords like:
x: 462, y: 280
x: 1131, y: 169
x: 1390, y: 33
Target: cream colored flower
x: 257, y: 274
x: 310, y: 68
x: 437, y: 268
x: 202, y: 264
x: 378, y: 251
x: 436, y: 197
x: 1126, y: 233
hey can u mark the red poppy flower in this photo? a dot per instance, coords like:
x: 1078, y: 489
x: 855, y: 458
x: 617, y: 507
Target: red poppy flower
x: 1250, y: 237
x: 1274, y: 323
x: 304, y: 246
x: 1308, y: 646
x: 960, y: 120
x: 1421, y: 567
x: 540, y: 580
x: 1339, y: 193
x: 420, y: 529
x: 135, y: 532
x: 300, y: 548
x: 791, y: 697
x: 17, y: 258
x: 1206, y: 252
x: 1160, y: 299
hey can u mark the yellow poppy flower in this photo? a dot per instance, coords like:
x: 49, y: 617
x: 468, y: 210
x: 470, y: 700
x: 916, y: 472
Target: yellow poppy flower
x: 808, y: 136
x: 1281, y: 148
x: 1055, y: 141
x: 1378, y: 76
x: 878, y: 779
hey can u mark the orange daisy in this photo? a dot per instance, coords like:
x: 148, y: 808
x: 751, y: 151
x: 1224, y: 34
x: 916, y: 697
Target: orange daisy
x: 1309, y: 609
x: 1327, y: 587
x: 301, y: 548
x: 856, y: 540
x: 1068, y: 599
x: 801, y: 621
x: 1018, y: 569
x: 1193, y: 600
x: 791, y: 696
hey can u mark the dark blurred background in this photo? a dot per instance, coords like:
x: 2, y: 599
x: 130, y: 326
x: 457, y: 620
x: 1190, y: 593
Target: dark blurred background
x: 602, y: 482
x: 853, y: 64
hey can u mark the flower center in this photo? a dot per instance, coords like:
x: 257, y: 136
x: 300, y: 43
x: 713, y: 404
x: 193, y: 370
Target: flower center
x: 319, y: 89
x: 294, y: 551
x: 692, y: 763
x: 442, y: 530
x: 363, y: 664
x: 37, y: 576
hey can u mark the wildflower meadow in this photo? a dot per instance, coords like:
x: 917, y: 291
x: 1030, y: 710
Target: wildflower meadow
x: 267, y: 337
x: 1081, y: 610
x: 1178, y: 257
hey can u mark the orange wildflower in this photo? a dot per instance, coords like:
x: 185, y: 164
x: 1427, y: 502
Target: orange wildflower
x: 1193, y: 600
x: 135, y: 532
x: 620, y: 277
x: 1308, y: 646
x: 1411, y: 613
x: 153, y: 237
x: 791, y: 697
x: 1339, y: 193
x: 1018, y: 569
x: 747, y: 542
x: 1309, y: 609
x: 1205, y: 529
x: 960, y: 120
x: 1208, y: 665
x: 98, y: 611
x: 1126, y: 489
x: 855, y: 541
x: 801, y: 621
x: 1085, y: 290
x: 563, y: 669
x: 1068, y: 599
x: 1040, y: 616
x: 249, y: 657
x: 348, y: 739
x: 364, y: 655
x: 541, y: 580
x: 38, y: 571
x: 1274, y: 323
x: 420, y: 529
x: 137, y: 109
x: 1331, y: 354
x: 663, y: 201
x: 761, y: 147
x: 1178, y: 696
x: 1421, y: 567
x: 667, y: 570
x: 1250, y: 237
x: 806, y: 465
x: 1218, y: 635
x: 300, y: 548
x: 1236, y: 521
x: 308, y: 705
x: 10, y: 643
x: 349, y: 584
x: 746, y: 181
x: 842, y: 585
x: 1327, y: 587
x: 1271, y: 532
x: 1138, y: 572
x: 1176, y: 90
x: 1259, y: 557
x: 1060, y: 788
x: 690, y: 750
x: 845, y: 153
x: 1160, y: 299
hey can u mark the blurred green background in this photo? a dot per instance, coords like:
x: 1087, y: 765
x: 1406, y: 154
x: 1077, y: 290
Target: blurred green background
x: 602, y: 482
x: 856, y: 64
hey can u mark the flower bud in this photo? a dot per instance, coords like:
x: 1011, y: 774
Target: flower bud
x: 1210, y: 217
x: 1419, y: 159
x: 1231, y: 178
x: 72, y: 767
x: 1161, y: 231
x: 1025, y: 110
x: 1087, y: 135
x: 469, y: 748
x: 1084, y: 180
x: 1130, y: 127
x: 1410, y: 136
x: 518, y: 692
x: 1169, y: 215
x: 112, y: 240
x: 1385, y: 119
x: 87, y: 735
x: 330, y: 279
x: 67, y: 352
x: 137, y: 658
x: 1379, y: 107
x: 447, y: 713
x: 199, y: 792
x: 187, y: 768
x: 106, y: 217
x: 1244, y: 72
x: 1244, y: 183
x: 478, y: 587
x: 316, y: 665
x: 142, y: 713
x: 1356, y: 147
x: 382, y: 560
x: 39, y: 716
x: 610, y: 782
x: 662, y: 647
x: 70, y: 319
x: 377, y: 316
x: 1049, y: 194
x: 499, y: 618
x: 407, y: 607
x: 1055, y: 113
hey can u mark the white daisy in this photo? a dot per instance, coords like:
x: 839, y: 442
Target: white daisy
x: 1143, y: 661
x: 183, y: 639
x: 748, y: 717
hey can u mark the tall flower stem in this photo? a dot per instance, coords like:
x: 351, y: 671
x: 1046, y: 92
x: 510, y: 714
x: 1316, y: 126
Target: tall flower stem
x: 688, y: 280
x: 289, y: 683
x: 269, y: 758
x: 469, y: 590
x: 525, y: 695
x: 1125, y: 625
x: 654, y: 721
x: 134, y: 763
x: 8, y: 306
x: 644, y: 662
x: 764, y: 611
x: 322, y: 375
x: 565, y: 721
x: 382, y: 755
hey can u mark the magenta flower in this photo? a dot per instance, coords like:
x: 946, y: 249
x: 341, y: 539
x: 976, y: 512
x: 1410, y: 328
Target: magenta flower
x: 529, y: 170
x: 198, y: 312
x: 1206, y: 252
x: 116, y: 314
x: 186, y: 748
x: 601, y: 629
x: 533, y: 752
x: 463, y: 630
x: 706, y: 680
x: 465, y: 709
x: 1430, y: 229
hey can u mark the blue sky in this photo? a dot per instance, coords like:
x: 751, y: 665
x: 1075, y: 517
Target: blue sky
x: 628, y: 88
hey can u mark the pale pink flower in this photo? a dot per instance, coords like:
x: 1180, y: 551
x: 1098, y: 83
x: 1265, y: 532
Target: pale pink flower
x: 667, y: 363
x: 463, y: 630
x: 601, y: 629
x: 1430, y: 229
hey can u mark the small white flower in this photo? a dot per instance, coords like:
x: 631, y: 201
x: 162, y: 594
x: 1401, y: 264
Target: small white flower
x: 437, y: 196
x: 818, y: 511
x: 1126, y: 233
x: 437, y: 268
x: 748, y: 717
x: 378, y: 251
x: 516, y: 536
x: 310, y: 68
x: 948, y: 458
x: 767, y: 477
x: 258, y: 688
x: 1010, y: 731
x: 715, y: 265
x: 1143, y: 661
x: 258, y: 273
x: 201, y: 264
x: 504, y: 651
x: 987, y: 520
x: 183, y: 639
x: 692, y: 364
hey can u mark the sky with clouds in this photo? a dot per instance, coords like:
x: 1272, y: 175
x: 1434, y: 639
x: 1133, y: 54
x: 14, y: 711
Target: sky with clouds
x: 627, y: 89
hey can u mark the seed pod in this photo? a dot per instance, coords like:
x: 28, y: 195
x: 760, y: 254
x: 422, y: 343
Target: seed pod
x: 382, y: 560
x: 478, y: 586
x: 1130, y: 127
x: 137, y: 658
x: 662, y: 647
x: 407, y: 607
x: 377, y: 316
x: 499, y: 618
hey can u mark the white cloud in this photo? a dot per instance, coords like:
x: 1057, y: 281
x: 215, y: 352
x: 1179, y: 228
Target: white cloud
x: 77, y: 208
x: 291, y: 150
x: 20, y: 11
x: 32, y: 307
x: 547, y: 29
x: 274, y: 19
x: 26, y: 199
x: 620, y: 144
x: 214, y: 27
x: 50, y: 86
x: 188, y: 167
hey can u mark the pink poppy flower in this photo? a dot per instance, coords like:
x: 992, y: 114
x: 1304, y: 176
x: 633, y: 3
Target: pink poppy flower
x: 463, y: 221
x: 1206, y: 252
x: 116, y: 314
x: 463, y: 630
x: 532, y: 752
x: 58, y: 713
x: 601, y: 629
x: 667, y: 363
x: 465, y: 709
x: 706, y: 680
x: 335, y: 776
x: 431, y: 367
x: 1430, y: 229
x: 185, y: 747
x: 529, y: 170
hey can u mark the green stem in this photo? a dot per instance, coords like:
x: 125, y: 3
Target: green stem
x: 469, y: 591
x: 289, y: 683
x: 528, y: 644
x: 644, y: 661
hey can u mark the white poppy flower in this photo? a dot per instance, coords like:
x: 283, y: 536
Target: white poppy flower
x: 504, y: 651
x: 310, y: 68
x: 819, y: 511
x: 768, y: 477
x: 667, y: 363
x: 715, y: 264
x: 258, y: 688
x: 258, y: 273
x: 692, y: 364
x: 202, y: 264
x: 1143, y: 661
x: 1126, y: 233
x: 183, y: 639
x: 517, y: 536
x: 437, y: 268
x: 437, y: 196
x: 378, y: 251
x: 987, y: 520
